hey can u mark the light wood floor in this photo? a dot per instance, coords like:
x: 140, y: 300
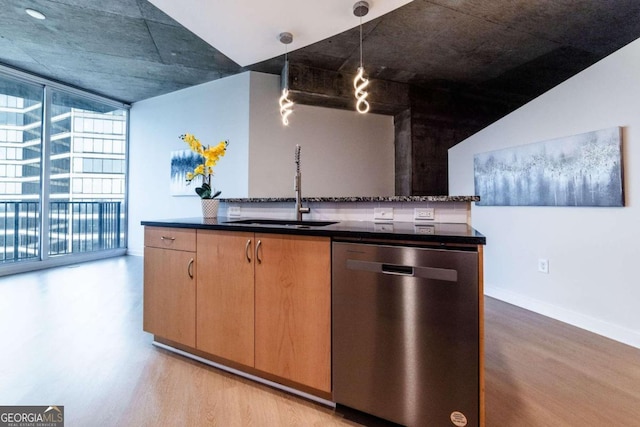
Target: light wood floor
x: 73, y: 336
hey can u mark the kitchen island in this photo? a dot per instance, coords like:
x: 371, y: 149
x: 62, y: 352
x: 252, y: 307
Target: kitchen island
x: 255, y: 297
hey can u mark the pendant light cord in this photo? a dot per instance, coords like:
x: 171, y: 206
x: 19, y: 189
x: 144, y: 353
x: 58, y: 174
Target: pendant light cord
x: 286, y: 66
x: 361, y: 41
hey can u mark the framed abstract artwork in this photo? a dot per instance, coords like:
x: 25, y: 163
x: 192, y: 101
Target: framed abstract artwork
x: 578, y: 170
x: 183, y: 161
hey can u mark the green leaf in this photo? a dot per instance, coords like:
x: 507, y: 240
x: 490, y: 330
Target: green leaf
x: 204, y: 192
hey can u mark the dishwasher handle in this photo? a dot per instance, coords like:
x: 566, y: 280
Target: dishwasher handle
x: 402, y: 270
x: 446, y: 274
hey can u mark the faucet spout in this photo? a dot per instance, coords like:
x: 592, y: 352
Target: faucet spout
x: 297, y: 187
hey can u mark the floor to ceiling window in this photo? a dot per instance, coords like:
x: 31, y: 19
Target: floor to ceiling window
x: 62, y: 173
x: 20, y: 169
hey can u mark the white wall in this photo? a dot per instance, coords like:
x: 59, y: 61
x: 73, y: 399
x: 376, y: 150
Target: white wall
x: 343, y: 153
x: 212, y: 111
x: 593, y: 253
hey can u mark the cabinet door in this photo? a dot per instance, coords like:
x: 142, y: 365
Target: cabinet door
x: 293, y: 309
x: 225, y: 307
x: 170, y: 294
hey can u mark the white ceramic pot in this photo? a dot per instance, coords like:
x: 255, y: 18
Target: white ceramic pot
x: 210, y: 208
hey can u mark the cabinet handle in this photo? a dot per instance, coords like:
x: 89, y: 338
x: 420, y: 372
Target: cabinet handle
x: 190, y: 269
x: 246, y: 250
x: 167, y: 238
x: 257, y: 254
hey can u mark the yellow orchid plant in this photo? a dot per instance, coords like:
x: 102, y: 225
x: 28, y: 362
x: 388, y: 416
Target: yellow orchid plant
x: 210, y: 156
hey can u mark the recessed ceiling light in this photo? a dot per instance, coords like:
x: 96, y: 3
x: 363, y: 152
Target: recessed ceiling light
x: 35, y: 14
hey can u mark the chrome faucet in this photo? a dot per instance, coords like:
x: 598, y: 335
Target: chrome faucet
x: 297, y: 187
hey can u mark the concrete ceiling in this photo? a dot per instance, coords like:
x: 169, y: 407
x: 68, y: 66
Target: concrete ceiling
x: 129, y: 50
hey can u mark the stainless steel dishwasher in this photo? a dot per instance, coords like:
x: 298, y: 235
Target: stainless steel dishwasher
x: 406, y: 333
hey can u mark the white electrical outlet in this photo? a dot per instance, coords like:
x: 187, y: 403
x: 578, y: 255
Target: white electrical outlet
x: 383, y: 213
x: 543, y: 265
x: 424, y: 213
x: 233, y: 211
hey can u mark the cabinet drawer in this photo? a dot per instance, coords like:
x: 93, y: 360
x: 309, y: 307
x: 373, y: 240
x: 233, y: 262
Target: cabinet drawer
x: 179, y: 239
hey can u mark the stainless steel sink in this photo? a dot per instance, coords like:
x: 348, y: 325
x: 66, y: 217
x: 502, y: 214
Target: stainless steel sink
x: 284, y: 222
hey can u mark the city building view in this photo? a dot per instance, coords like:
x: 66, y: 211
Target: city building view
x: 63, y: 160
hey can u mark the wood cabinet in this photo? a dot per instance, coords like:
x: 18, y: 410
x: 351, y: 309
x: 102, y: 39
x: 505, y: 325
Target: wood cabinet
x: 169, y: 284
x: 264, y: 300
x: 293, y: 308
x: 260, y: 300
x: 225, y: 305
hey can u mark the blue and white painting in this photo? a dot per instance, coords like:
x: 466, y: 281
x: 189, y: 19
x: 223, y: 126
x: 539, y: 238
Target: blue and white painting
x: 579, y: 170
x: 183, y: 161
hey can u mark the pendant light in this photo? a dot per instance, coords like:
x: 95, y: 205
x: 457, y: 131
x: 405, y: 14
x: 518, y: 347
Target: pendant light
x: 286, y: 105
x: 360, y: 83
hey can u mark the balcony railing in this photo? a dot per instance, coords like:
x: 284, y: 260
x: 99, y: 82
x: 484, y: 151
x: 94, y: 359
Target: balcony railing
x: 74, y: 227
x: 19, y: 230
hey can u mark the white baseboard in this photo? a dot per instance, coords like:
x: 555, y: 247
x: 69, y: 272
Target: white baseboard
x: 135, y: 252
x: 591, y: 324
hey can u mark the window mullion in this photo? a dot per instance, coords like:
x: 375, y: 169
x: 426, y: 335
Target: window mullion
x: 45, y: 175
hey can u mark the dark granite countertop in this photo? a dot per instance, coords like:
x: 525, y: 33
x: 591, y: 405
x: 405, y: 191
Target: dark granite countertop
x: 433, y: 232
x: 357, y: 199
